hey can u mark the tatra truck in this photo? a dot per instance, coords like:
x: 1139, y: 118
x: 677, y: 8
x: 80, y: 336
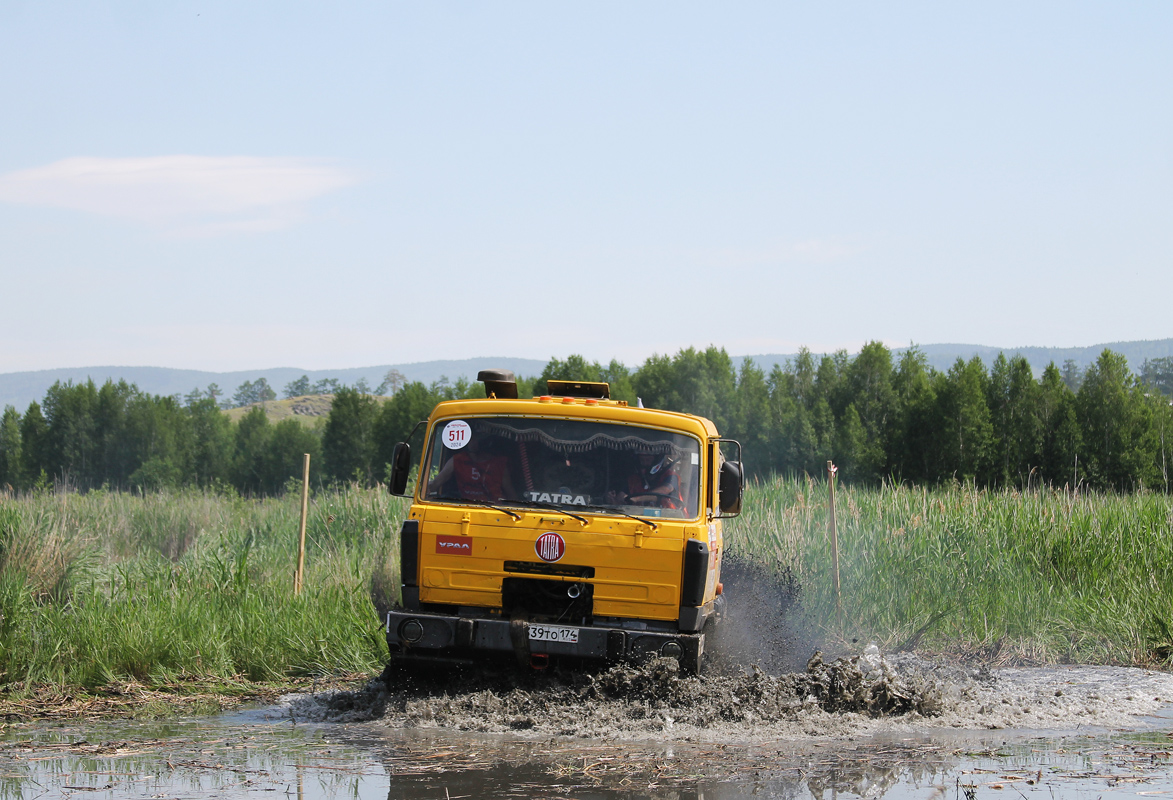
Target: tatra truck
x: 566, y: 526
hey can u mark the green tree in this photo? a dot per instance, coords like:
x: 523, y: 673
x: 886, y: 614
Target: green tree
x: 1061, y: 434
x: 619, y: 378
x: 868, y: 385
x: 851, y: 447
x: 963, y: 421
x: 393, y: 381
x: 1162, y: 416
x: 750, y: 418
x: 348, y: 442
x: 1014, y: 400
x: 71, y: 438
x: 397, y: 419
x: 910, y: 446
x: 574, y: 368
x: 694, y: 381
x: 1157, y: 373
x: 1072, y: 374
x: 1116, y: 426
x: 805, y: 373
x: 10, y: 466
x: 297, y: 388
x: 654, y: 382
x: 284, y: 455
x: 250, y: 392
x: 34, y: 445
x: 250, y: 468
x: 159, y: 439
x: 118, y: 460
x: 212, y: 443
x: 829, y: 382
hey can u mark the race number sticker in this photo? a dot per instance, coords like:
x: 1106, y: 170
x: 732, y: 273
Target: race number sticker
x: 457, y: 434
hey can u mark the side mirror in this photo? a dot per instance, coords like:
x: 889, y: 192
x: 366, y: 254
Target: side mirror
x: 729, y: 488
x: 401, y: 467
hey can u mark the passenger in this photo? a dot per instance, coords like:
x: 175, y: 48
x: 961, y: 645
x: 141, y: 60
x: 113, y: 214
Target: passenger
x: 654, y: 483
x: 480, y: 474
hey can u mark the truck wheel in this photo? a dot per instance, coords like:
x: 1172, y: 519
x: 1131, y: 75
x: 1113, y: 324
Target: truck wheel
x: 690, y: 659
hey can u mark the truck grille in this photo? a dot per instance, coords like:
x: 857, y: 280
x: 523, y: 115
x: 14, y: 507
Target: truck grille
x: 547, y: 601
x: 534, y: 568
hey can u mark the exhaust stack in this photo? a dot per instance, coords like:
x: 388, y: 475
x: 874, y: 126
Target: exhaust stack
x: 499, y: 383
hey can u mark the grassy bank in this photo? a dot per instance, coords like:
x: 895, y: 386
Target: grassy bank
x: 171, y: 587
x: 104, y: 588
x: 1043, y: 576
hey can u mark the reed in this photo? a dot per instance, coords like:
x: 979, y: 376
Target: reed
x: 1042, y: 575
x: 174, y: 586
x: 189, y: 585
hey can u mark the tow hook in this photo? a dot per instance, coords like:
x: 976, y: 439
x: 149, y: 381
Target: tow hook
x: 539, y: 661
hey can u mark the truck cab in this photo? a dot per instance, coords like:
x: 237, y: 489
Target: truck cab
x: 567, y: 525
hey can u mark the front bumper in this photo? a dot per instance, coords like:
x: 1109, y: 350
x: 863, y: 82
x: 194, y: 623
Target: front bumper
x: 451, y: 637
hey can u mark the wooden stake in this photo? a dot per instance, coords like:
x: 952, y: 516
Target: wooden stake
x: 834, y: 531
x: 305, y: 505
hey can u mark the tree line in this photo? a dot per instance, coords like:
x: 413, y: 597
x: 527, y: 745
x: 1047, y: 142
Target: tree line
x: 878, y: 417
x: 259, y: 391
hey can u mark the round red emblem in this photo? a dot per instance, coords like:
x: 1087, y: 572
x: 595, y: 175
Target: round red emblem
x: 550, y: 546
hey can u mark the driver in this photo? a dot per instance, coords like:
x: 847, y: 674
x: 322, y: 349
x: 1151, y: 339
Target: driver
x: 480, y: 474
x: 654, y: 483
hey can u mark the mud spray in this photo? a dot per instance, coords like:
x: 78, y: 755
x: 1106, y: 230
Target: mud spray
x: 763, y: 679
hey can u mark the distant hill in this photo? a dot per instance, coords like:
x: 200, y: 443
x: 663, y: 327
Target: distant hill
x: 942, y: 356
x: 21, y: 388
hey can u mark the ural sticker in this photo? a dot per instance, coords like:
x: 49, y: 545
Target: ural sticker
x: 457, y: 434
x: 454, y: 545
x: 550, y: 546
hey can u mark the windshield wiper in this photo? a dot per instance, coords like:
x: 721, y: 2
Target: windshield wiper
x: 513, y: 514
x: 610, y: 510
x: 551, y: 507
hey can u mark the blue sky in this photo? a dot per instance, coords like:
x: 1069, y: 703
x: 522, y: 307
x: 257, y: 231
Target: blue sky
x: 221, y: 186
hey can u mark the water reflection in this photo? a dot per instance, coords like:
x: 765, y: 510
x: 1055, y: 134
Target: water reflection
x: 203, y: 758
x: 250, y: 756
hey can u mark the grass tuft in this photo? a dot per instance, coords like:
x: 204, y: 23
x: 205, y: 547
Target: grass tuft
x: 106, y: 587
x: 109, y: 589
x: 1037, y: 576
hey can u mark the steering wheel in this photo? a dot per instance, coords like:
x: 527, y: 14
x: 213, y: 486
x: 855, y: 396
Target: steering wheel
x: 659, y: 498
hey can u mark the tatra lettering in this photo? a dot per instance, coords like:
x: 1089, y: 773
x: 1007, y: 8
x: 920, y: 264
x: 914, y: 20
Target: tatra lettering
x: 558, y: 497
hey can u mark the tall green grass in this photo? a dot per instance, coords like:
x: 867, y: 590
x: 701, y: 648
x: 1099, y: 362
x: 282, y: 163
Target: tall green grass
x: 161, y: 588
x: 1044, y: 575
x: 104, y: 586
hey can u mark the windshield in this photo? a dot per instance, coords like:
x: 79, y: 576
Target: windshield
x: 575, y: 464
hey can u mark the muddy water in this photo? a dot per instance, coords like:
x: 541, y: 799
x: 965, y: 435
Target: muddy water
x: 863, y: 727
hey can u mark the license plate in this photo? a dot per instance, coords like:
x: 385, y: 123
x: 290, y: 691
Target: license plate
x: 553, y: 633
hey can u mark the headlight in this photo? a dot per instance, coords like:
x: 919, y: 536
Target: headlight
x: 411, y: 631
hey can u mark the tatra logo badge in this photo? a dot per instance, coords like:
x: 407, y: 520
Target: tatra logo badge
x: 550, y: 546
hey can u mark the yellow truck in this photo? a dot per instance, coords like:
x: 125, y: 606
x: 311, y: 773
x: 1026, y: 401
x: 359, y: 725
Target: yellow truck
x: 568, y: 525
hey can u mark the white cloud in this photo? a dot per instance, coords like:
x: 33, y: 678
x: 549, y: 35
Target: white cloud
x: 188, y: 194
